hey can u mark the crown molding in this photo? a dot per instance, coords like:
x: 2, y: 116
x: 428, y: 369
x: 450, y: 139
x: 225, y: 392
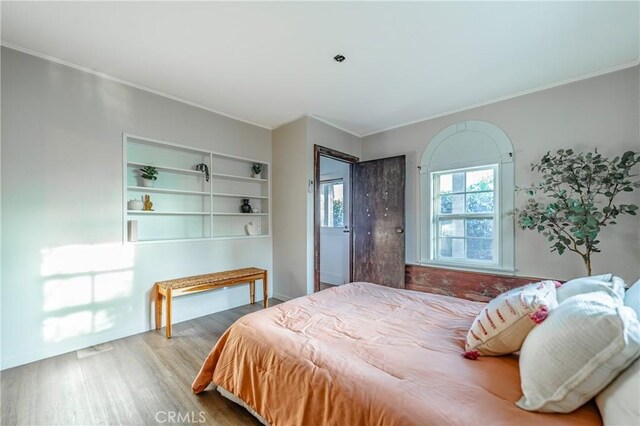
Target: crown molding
x: 511, y: 96
x: 325, y: 121
x: 335, y: 126
x: 127, y: 83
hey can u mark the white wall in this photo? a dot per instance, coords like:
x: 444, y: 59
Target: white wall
x: 334, y: 242
x: 67, y: 280
x: 293, y: 154
x: 601, y: 112
x: 289, y: 189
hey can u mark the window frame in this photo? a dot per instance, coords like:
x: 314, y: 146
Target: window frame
x: 436, y: 216
x: 326, y: 213
x: 462, y: 145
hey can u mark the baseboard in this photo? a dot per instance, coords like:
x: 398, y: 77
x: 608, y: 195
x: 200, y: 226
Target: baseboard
x: 331, y: 278
x: 282, y: 297
x: 96, y: 339
x: 80, y: 343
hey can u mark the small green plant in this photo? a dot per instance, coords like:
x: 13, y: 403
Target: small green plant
x: 257, y: 168
x: 580, y: 192
x: 149, y: 173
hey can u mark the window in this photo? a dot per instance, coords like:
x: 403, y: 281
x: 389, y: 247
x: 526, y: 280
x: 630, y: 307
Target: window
x: 467, y: 190
x: 332, y: 203
x: 464, y: 214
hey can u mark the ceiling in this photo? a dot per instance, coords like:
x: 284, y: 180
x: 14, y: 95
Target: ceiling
x: 271, y: 63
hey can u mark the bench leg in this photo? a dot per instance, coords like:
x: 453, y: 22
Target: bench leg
x: 158, y: 309
x: 169, y: 300
x: 252, y: 291
x: 265, y: 290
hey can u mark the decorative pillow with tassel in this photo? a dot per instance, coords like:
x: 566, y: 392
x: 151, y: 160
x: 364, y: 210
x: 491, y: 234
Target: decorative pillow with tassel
x: 583, y: 345
x: 501, y: 327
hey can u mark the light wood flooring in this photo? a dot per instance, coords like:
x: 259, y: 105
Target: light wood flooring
x: 140, y: 381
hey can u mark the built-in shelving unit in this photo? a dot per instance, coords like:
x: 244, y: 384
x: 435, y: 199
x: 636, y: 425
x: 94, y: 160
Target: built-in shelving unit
x: 187, y: 206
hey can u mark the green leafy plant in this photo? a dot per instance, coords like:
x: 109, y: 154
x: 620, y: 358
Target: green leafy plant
x: 149, y: 172
x: 579, y: 193
x: 257, y: 168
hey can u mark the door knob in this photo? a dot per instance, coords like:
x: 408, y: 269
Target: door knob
x: 399, y: 230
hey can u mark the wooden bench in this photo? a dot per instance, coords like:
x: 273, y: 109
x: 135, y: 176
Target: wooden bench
x: 196, y: 284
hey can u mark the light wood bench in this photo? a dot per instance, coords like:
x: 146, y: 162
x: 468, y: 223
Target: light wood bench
x: 196, y: 284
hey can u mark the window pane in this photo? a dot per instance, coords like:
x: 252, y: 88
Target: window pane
x: 452, y: 228
x: 480, y: 228
x: 323, y: 216
x: 458, y: 182
x: 332, y: 204
x: 480, y: 249
x: 338, y: 205
x: 480, y: 180
x: 446, y: 185
x: 452, y: 248
x: 480, y: 203
x: 452, y: 203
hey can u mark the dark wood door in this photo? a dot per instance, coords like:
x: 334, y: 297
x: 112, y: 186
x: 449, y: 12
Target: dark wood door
x: 378, y: 221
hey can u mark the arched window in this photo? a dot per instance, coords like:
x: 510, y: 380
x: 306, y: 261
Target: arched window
x: 467, y: 191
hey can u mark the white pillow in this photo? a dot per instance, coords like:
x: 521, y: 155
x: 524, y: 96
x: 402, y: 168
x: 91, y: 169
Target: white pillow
x: 578, y: 350
x: 632, y: 298
x: 607, y: 282
x: 619, y: 403
x: 501, y: 327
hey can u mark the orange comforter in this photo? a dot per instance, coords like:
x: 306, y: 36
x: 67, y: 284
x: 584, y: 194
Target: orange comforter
x: 363, y: 354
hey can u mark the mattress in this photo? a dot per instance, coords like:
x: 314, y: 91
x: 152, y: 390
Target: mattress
x: 364, y: 354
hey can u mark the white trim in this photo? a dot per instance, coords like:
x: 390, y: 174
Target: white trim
x: 322, y: 120
x: 282, y: 297
x: 503, y: 186
x: 237, y: 299
x: 511, y: 96
x: 351, y: 132
x: 496, y: 262
x: 128, y: 83
x: 332, y: 278
x: 507, y: 272
x: 328, y: 123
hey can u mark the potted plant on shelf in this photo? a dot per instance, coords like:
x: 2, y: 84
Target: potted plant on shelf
x: 579, y: 199
x: 257, y: 169
x: 149, y: 174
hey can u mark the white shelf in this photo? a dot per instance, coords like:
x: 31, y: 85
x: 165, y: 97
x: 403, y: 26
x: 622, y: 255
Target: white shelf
x: 239, y: 214
x: 190, y: 212
x: 165, y: 190
x: 166, y: 169
x: 254, y: 197
x: 178, y: 240
x: 144, y: 212
x: 240, y: 178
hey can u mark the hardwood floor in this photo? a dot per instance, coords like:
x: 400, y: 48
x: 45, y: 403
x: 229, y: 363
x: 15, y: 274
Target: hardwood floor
x: 144, y: 380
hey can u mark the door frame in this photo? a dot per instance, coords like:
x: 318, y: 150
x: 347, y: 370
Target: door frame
x: 321, y: 151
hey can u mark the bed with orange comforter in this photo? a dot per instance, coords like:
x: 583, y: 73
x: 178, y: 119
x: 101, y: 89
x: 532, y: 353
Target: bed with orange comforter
x: 364, y: 354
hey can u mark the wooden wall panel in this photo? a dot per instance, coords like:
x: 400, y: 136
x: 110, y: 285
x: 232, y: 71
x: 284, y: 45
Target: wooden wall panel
x: 477, y: 286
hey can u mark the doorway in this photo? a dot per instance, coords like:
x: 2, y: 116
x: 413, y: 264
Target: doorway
x: 367, y: 222
x: 332, y: 217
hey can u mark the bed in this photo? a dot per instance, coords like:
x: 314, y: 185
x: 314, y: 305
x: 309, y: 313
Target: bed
x: 364, y: 354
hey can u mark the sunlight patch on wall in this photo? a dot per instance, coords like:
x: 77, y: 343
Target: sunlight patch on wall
x: 60, y: 328
x: 85, y: 287
x: 111, y: 286
x: 83, y: 258
x: 63, y: 293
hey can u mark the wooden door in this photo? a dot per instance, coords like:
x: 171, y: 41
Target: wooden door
x: 378, y: 221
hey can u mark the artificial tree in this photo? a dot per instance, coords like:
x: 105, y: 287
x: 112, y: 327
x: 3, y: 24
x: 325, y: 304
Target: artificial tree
x: 579, y: 193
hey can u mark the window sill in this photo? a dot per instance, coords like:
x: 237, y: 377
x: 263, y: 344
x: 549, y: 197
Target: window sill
x: 467, y: 267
